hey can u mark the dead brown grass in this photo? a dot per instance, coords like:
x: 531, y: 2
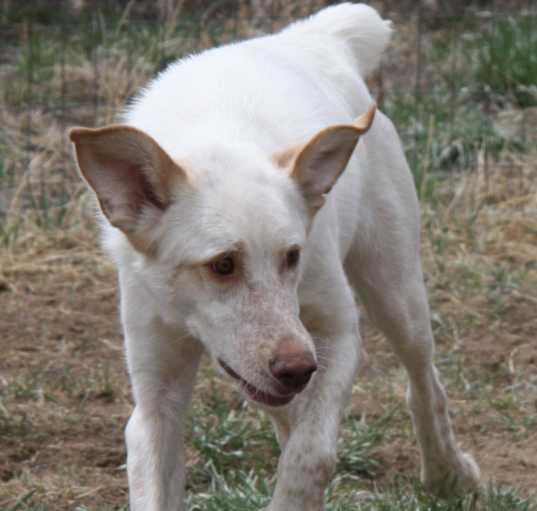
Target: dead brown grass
x: 38, y: 183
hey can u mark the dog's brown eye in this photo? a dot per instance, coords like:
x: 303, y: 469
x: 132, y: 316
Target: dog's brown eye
x: 293, y: 257
x: 224, y: 266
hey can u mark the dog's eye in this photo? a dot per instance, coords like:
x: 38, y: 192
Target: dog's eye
x: 224, y: 266
x: 292, y: 258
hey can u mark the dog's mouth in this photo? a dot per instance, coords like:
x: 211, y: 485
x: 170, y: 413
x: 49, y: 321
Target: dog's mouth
x: 254, y: 393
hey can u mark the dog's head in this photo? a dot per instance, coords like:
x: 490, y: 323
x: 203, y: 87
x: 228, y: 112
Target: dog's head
x: 221, y: 234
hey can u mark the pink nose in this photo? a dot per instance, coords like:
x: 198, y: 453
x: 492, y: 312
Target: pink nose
x: 292, y: 366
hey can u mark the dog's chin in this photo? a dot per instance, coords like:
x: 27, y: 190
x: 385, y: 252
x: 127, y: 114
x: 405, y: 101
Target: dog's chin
x: 253, y: 393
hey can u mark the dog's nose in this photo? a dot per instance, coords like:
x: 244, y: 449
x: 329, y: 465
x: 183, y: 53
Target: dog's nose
x: 292, y: 366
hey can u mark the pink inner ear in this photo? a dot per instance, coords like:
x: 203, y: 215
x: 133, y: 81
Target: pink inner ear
x: 321, y: 162
x: 123, y: 189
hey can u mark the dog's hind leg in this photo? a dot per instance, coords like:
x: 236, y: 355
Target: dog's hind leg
x: 386, y: 272
x: 307, y: 429
x: 163, y: 371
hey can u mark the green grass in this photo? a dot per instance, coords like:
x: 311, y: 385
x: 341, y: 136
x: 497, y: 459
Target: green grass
x: 441, y: 135
x: 224, y: 439
x: 59, y: 384
x: 25, y: 504
x: 357, y: 443
x: 478, y: 64
x: 236, y: 453
x: 252, y: 493
x: 237, y: 457
x: 494, y: 499
x: 13, y: 422
x: 505, y: 60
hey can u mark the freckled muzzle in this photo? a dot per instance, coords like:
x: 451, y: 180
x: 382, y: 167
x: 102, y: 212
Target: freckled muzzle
x: 259, y: 395
x: 291, y: 368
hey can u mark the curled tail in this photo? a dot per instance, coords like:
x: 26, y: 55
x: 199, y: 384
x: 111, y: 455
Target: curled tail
x: 359, y: 26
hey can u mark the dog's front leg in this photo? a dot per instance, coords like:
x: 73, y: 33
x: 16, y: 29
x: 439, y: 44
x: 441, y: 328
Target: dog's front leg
x: 162, y: 370
x: 308, y: 429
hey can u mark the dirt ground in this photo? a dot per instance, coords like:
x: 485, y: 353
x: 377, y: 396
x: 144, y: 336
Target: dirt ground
x: 60, y: 339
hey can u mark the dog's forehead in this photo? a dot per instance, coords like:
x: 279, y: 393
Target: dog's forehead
x: 241, y: 178
x: 251, y: 203
x: 236, y: 200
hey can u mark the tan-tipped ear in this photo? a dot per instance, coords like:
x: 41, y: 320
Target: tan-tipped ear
x: 316, y: 165
x: 364, y: 121
x: 129, y: 173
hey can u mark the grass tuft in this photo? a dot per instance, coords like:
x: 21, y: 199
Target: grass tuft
x: 505, y: 60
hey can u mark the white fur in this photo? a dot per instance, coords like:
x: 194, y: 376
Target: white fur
x: 223, y: 114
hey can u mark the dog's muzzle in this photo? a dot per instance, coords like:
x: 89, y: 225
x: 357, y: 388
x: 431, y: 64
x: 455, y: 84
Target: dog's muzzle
x: 260, y: 396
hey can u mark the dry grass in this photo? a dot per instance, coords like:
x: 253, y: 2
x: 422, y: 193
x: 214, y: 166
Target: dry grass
x: 53, y: 83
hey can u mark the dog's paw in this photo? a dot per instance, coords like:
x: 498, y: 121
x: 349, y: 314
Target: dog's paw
x: 461, y: 478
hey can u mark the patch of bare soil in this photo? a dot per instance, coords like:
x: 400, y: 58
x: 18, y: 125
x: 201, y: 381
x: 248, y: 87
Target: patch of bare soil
x: 63, y: 386
x: 504, y: 436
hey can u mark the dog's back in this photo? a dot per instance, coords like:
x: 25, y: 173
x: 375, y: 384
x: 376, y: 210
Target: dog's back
x: 298, y: 80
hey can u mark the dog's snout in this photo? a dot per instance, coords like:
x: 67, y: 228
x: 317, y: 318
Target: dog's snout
x: 292, y: 365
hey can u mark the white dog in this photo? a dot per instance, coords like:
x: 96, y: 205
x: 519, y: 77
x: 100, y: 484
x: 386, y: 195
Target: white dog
x: 241, y: 219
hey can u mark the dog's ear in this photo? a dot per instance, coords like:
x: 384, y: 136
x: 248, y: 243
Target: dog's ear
x: 129, y: 173
x: 316, y: 165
